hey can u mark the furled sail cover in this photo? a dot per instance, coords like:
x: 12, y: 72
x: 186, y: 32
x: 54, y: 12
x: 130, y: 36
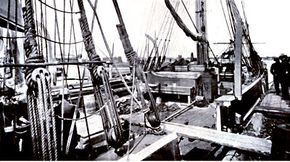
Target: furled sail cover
x: 181, y: 24
x: 14, y: 9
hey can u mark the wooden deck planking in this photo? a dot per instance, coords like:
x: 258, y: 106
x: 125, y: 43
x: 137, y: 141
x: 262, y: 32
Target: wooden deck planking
x: 273, y: 100
x: 273, y: 104
x: 202, y: 117
x: 242, y: 142
x: 148, y: 145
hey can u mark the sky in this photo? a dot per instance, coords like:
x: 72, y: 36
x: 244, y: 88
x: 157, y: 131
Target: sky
x: 267, y: 19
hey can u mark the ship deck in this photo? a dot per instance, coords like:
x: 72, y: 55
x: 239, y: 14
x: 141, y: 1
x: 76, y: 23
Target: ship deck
x: 193, y: 130
x: 273, y: 104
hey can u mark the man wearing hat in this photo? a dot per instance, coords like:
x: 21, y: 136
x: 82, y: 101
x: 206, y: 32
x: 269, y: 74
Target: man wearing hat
x: 276, y: 71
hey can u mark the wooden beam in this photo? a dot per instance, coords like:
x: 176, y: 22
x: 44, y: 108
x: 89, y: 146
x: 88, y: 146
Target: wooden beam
x: 251, y: 110
x: 147, y: 151
x: 273, y: 110
x: 238, y: 59
x: 178, y: 113
x: 241, y: 142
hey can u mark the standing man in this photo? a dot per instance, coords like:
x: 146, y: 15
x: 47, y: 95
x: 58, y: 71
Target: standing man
x: 284, y: 76
x: 276, y: 70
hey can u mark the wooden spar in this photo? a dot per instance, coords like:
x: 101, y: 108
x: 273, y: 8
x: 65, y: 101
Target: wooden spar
x: 146, y: 152
x: 251, y: 110
x: 238, y: 60
x: 178, y: 113
x: 238, y: 141
x: 238, y: 51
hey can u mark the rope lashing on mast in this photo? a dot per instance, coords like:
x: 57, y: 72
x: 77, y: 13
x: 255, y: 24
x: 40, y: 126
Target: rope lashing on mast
x: 153, y: 114
x: 88, y: 40
x: 111, y: 121
x: 40, y: 110
x: 106, y: 43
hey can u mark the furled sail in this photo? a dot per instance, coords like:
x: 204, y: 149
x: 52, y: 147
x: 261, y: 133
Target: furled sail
x: 181, y: 24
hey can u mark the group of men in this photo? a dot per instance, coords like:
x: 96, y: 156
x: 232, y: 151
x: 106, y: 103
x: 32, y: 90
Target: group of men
x: 281, y: 75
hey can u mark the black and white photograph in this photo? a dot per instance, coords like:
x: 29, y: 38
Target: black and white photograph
x: 144, y: 80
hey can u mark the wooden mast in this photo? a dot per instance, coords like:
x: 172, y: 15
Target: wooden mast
x: 201, y: 23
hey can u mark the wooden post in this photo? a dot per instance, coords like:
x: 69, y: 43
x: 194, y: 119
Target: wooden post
x: 218, y: 117
x: 238, y: 56
x: 188, y: 99
x: 225, y: 102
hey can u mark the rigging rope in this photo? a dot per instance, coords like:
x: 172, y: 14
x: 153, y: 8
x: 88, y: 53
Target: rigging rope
x: 43, y: 37
x: 228, y: 27
x: 38, y: 109
x: 151, y: 61
x: 41, y: 114
x: 54, y: 137
x: 131, y: 107
x: 189, y: 16
x: 63, y: 11
x: 168, y: 37
x: 230, y: 17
